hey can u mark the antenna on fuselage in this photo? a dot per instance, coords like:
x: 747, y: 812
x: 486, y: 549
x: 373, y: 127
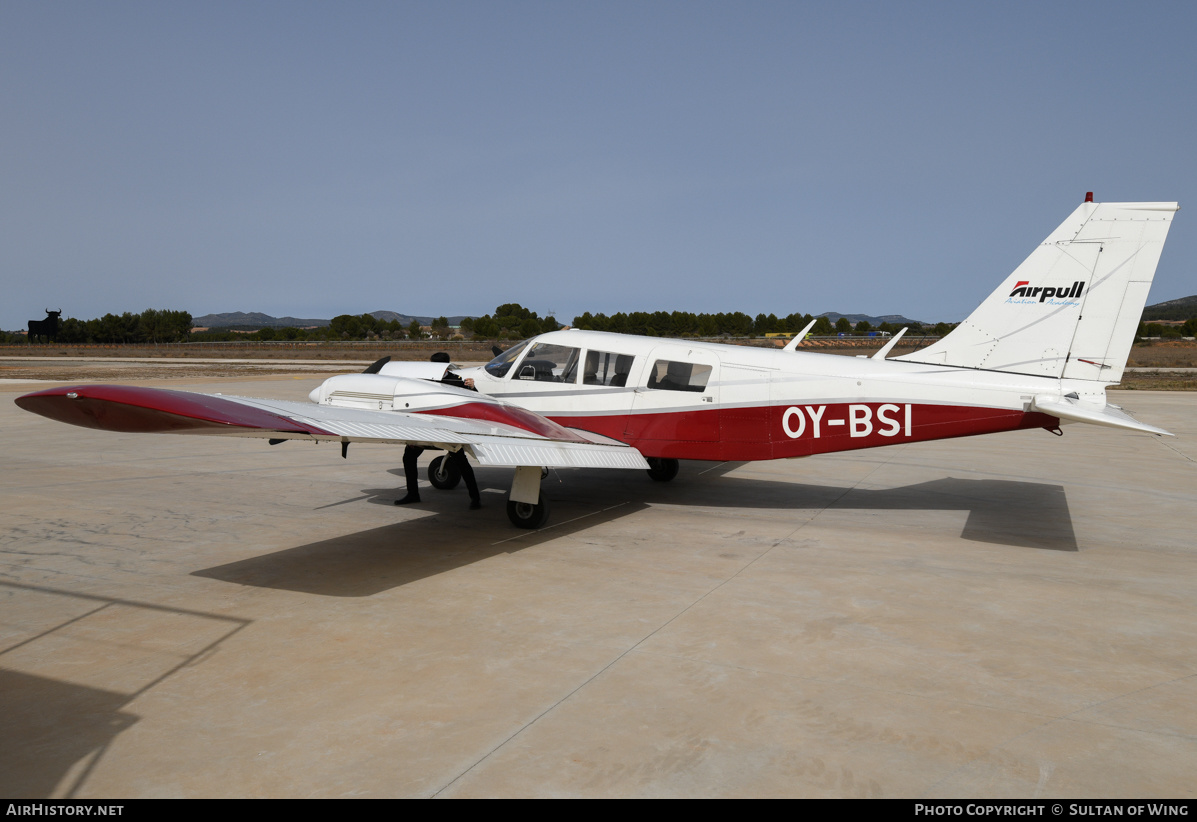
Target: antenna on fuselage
x: 800, y: 336
x: 889, y: 346
x: 376, y: 366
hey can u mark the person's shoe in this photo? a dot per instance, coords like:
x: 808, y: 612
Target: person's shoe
x: 408, y: 499
x: 475, y: 504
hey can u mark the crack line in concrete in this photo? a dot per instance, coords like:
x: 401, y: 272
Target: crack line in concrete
x: 1173, y: 448
x: 656, y: 630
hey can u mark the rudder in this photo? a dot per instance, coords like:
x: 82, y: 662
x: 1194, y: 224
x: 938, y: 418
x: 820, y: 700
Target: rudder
x: 1071, y: 309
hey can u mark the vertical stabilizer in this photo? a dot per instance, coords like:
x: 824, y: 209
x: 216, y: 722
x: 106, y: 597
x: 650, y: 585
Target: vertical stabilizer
x: 1072, y: 307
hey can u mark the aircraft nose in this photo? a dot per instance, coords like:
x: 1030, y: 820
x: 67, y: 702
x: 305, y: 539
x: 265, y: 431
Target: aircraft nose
x: 314, y: 395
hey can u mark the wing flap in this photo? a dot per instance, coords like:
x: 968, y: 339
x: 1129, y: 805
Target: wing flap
x: 493, y: 451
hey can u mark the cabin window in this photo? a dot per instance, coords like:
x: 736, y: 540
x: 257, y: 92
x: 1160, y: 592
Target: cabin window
x: 549, y: 363
x: 500, y: 365
x: 671, y: 375
x: 606, y: 368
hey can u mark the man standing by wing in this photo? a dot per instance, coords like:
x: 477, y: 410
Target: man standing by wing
x: 455, y: 458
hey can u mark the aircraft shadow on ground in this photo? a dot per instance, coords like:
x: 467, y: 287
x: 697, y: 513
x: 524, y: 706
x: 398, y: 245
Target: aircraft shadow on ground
x: 50, y: 726
x: 1001, y: 512
x: 55, y: 732
x: 379, y: 559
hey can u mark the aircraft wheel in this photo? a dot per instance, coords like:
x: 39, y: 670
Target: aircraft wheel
x: 527, y: 515
x: 662, y: 469
x: 443, y: 474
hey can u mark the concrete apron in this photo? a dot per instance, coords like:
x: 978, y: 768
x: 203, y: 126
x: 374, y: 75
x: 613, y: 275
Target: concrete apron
x: 1004, y: 616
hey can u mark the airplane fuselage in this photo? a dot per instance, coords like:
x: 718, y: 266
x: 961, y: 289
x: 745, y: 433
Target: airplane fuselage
x: 746, y: 403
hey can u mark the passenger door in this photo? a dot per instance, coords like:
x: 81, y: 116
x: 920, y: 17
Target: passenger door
x: 677, y: 397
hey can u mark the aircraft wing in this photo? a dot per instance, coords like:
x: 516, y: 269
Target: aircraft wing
x: 494, y: 432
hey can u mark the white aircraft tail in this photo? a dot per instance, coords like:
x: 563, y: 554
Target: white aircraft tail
x: 1071, y: 309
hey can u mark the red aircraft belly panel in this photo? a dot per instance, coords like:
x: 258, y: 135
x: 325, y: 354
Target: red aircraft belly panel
x: 686, y: 426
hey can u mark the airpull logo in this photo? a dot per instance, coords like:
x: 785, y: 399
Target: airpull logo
x: 859, y: 422
x: 1057, y: 295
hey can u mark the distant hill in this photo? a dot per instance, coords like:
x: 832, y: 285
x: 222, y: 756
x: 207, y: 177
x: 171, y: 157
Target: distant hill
x: 405, y: 319
x: 893, y: 319
x: 1181, y: 309
x: 255, y: 320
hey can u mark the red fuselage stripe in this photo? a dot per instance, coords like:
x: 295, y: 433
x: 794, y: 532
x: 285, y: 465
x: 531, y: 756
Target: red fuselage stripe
x: 781, y: 431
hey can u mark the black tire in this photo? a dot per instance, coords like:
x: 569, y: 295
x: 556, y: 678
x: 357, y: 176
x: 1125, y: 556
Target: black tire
x: 443, y: 474
x: 526, y: 515
x: 662, y: 469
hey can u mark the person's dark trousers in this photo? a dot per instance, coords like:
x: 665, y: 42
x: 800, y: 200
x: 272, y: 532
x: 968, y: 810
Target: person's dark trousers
x: 467, y: 473
x: 411, y: 473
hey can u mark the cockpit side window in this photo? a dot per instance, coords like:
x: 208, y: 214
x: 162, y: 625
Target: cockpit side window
x: 606, y: 368
x: 550, y: 363
x: 671, y: 375
x: 500, y: 365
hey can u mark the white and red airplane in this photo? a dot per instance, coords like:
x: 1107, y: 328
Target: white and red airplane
x: 1038, y: 353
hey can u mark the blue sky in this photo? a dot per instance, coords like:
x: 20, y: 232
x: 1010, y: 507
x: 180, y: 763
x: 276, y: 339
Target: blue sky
x: 314, y: 159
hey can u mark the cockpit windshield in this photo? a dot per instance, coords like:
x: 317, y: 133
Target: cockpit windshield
x: 547, y: 362
x: 500, y: 365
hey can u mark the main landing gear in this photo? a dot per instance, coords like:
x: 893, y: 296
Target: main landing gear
x: 443, y: 474
x: 526, y: 506
x: 662, y: 469
x: 525, y: 487
x: 527, y: 515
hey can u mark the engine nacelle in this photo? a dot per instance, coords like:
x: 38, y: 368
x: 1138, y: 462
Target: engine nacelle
x: 383, y: 392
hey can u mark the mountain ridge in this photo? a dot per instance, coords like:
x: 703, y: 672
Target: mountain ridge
x: 893, y: 319
x: 1179, y: 309
x: 257, y: 319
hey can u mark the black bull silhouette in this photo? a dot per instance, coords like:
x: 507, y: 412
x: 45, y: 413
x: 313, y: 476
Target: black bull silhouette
x: 47, y: 328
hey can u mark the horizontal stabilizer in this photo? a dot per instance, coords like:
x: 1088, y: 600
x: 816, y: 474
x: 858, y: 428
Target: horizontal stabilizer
x: 1108, y: 415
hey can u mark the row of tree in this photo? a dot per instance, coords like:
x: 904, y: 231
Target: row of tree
x: 735, y: 324
x: 150, y: 326
x: 341, y: 327
x: 510, y: 321
x: 1189, y: 329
